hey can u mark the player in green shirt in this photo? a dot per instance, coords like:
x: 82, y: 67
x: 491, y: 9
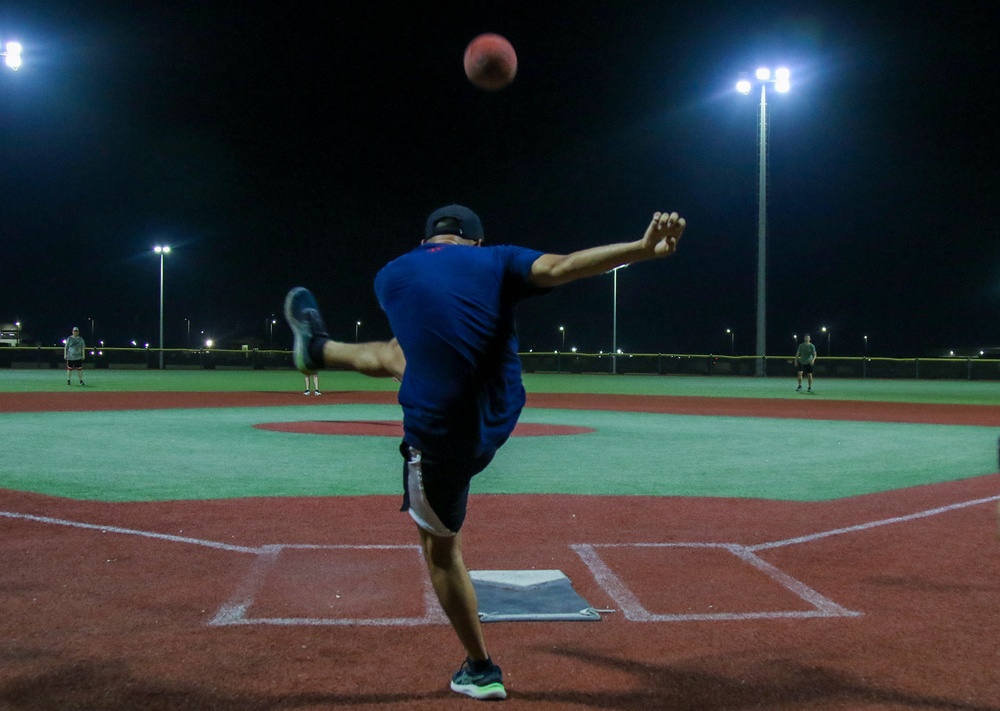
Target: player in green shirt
x: 805, y: 356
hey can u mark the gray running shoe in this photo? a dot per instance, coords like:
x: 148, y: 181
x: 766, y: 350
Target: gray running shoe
x: 302, y: 314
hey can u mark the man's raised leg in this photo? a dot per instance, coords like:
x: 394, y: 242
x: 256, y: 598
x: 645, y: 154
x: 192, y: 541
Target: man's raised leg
x: 314, y: 349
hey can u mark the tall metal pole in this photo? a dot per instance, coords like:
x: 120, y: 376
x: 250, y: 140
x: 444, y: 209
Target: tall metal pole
x: 161, y: 310
x: 762, y: 239
x: 614, y: 329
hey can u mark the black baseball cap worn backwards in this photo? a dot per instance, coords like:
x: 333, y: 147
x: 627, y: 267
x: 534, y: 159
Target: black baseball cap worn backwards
x: 454, y: 219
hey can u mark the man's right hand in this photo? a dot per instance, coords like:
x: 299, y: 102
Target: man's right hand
x: 663, y: 233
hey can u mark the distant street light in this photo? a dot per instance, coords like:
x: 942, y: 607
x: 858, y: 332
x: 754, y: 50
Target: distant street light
x: 562, y: 330
x: 12, y: 55
x: 18, y: 325
x: 161, y: 250
x: 781, y: 81
x: 866, y: 346
x: 732, y: 341
x: 828, y: 334
x: 271, y: 327
x: 357, y: 329
x: 187, y: 342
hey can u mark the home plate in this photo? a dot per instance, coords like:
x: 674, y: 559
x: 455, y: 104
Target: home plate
x: 509, y: 595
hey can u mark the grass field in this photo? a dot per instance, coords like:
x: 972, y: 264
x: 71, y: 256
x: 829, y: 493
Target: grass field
x: 216, y: 452
x: 962, y: 392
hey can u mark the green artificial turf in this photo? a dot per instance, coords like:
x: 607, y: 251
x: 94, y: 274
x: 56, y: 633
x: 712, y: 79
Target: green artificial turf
x: 217, y: 453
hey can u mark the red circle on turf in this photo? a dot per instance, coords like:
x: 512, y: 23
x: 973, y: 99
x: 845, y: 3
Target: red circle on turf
x: 394, y: 428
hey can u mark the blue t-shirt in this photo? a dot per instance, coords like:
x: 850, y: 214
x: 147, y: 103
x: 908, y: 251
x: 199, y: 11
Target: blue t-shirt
x: 451, y: 307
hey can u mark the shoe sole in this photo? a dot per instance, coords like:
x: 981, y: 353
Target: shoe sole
x: 490, y: 691
x: 300, y: 346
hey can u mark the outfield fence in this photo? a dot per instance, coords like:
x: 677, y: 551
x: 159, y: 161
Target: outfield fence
x: 535, y: 362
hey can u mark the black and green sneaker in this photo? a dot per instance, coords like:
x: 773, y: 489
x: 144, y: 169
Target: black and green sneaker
x: 484, y: 684
x: 302, y: 314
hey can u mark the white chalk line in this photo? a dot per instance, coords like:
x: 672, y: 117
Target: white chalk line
x: 130, y: 532
x: 872, y: 524
x: 635, y: 611
x: 629, y: 603
x: 235, y: 610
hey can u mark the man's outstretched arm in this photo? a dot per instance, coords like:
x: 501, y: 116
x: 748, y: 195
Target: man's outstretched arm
x: 660, y: 240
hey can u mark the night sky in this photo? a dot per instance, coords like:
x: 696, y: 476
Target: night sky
x: 278, y: 144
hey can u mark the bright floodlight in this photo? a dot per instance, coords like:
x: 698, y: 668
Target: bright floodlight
x: 782, y: 80
x: 162, y: 250
x: 763, y: 74
x: 13, y: 55
x: 743, y: 86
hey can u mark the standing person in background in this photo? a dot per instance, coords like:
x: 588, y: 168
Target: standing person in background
x: 314, y: 376
x: 805, y: 356
x: 73, y: 355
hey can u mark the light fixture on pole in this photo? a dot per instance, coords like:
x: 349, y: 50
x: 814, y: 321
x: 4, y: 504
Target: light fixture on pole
x: 562, y: 330
x: 17, y: 324
x: 271, y: 331
x: 12, y: 55
x: 828, y: 334
x: 780, y: 79
x: 357, y: 328
x: 732, y: 341
x: 161, y: 250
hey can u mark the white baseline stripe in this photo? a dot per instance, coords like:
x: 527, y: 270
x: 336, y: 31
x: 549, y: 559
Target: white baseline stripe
x: 872, y: 524
x: 129, y: 532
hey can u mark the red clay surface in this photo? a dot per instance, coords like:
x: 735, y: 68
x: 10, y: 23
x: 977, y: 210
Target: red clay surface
x: 110, y: 606
x: 394, y: 428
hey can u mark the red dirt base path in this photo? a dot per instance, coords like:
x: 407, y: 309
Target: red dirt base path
x: 878, y: 602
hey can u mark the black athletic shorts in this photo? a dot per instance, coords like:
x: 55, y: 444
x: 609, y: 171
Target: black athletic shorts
x: 435, y: 491
x: 806, y: 368
x: 75, y: 364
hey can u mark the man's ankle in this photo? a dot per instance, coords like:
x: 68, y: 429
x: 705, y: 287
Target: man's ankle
x: 316, y: 346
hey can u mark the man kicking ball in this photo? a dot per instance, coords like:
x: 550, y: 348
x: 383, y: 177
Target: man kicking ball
x: 450, y: 303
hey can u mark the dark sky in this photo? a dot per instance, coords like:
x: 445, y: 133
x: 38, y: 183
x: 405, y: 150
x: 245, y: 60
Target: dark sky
x: 278, y: 144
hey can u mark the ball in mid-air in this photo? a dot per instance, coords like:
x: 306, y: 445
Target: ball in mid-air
x: 490, y: 62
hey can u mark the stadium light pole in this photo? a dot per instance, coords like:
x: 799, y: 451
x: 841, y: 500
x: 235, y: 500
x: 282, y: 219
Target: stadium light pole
x: 780, y: 78
x: 161, y: 250
x: 732, y: 341
x: 828, y: 334
x: 614, y: 320
x: 357, y: 329
x: 562, y: 330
